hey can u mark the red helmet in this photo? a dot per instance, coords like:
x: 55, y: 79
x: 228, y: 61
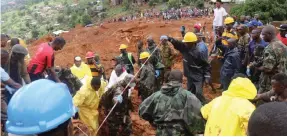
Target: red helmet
x: 198, y: 26
x: 90, y: 54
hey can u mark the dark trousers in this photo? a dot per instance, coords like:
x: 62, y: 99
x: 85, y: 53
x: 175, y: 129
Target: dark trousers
x: 196, y: 88
x: 225, y: 82
x: 35, y: 77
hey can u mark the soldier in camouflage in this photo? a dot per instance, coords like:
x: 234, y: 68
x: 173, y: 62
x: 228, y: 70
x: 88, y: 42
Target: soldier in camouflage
x: 119, y: 122
x: 146, y: 80
x: 156, y: 61
x: 139, y: 51
x: 173, y: 110
x: 243, y: 44
x: 274, y: 58
x: 167, y: 54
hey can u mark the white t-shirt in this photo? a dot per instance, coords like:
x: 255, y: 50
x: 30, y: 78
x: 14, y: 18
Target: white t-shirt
x: 218, y: 16
x: 4, y: 75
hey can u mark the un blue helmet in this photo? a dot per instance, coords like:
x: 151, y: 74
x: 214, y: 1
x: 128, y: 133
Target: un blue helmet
x: 39, y: 107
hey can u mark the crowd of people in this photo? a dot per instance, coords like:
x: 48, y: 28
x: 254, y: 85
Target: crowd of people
x: 253, y: 72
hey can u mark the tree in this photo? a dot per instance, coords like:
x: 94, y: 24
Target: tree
x: 174, y: 4
x: 35, y: 33
x: 60, y: 18
x: 127, y: 4
x: 86, y: 19
x: 46, y: 2
x: 268, y: 10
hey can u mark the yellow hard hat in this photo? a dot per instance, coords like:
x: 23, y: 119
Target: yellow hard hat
x: 144, y: 55
x: 123, y: 46
x: 228, y: 20
x: 189, y: 37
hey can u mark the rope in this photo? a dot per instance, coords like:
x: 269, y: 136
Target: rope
x: 82, y: 131
x: 125, y: 89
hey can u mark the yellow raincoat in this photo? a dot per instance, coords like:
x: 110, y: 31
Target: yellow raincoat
x: 82, y: 71
x: 87, y: 100
x: 228, y: 114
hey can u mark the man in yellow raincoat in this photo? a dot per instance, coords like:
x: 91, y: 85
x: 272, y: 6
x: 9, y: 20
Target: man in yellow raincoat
x: 228, y: 115
x: 87, y: 100
x: 80, y: 69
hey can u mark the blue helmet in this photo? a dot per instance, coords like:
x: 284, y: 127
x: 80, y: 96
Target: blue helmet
x: 39, y: 107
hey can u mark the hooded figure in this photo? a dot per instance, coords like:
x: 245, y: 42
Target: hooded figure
x: 87, y: 100
x: 173, y: 110
x: 229, y: 114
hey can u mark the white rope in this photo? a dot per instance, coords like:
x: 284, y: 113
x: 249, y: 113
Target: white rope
x: 125, y: 89
x: 82, y: 131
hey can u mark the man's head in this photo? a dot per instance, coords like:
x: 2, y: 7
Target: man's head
x: 256, y: 16
x: 229, y: 22
x: 232, y: 43
x: 150, y: 41
x: 175, y: 75
x: 197, y: 28
x: 258, y: 51
x: 123, y: 48
x: 269, y: 119
x: 90, y: 57
x: 283, y: 30
x: 97, y: 58
x: 190, y: 39
x: 4, y: 39
x: 279, y: 83
x: 199, y: 36
x: 4, y: 57
x: 140, y: 44
x: 242, y: 18
x: 19, y: 52
x: 78, y: 61
x: 144, y: 56
x: 14, y: 41
x: 248, y: 18
x: 128, y: 81
x: 255, y: 34
x: 58, y: 43
x: 96, y: 83
x: 242, y: 29
x: 119, y: 70
x: 269, y: 33
x: 163, y: 40
x: 218, y: 3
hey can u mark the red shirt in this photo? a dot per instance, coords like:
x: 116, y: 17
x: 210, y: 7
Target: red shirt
x: 44, y: 58
x: 284, y: 40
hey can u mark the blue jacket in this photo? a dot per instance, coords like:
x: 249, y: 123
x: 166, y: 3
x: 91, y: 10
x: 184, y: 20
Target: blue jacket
x: 203, y: 49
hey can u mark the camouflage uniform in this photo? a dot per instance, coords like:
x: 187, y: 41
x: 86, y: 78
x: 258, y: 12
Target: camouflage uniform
x: 243, y: 44
x: 173, y: 110
x: 119, y: 122
x: 138, y: 54
x: 168, y: 56
x: 156, y: 61
x: 147, y: 81
x: 275, y: 60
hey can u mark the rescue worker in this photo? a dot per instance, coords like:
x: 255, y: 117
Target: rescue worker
x: 228, y: 32
x: 44, y: 58
x: 283, y: 33
x: 243, y: 42
x: 182, y: 31
x: 119, y: 121
x: 197, y: 28
x: 274, y: 58
x: 98, y: 62
x: 256, y: 40
x: 96, y: 70
x: 4, y: 39
x: 268, y: 120
x: 128, y: 59
x: 278, y: 91
x: 231, y: 62
x: 139, y: 51
x: 47, y: 113
x: 167, y: 54
x: 146, y: 78
x: 196, y: 68
x: 156, y: 61
x: 80, y: 69
x: 173, y: 110
x: 87, y: 100
x: 15, y: 41
x: 228, y: 114
x: 5, y: 81
x: 117, y: 74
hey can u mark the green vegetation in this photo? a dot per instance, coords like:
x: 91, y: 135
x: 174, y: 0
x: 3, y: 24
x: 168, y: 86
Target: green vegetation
x: 275, y: 10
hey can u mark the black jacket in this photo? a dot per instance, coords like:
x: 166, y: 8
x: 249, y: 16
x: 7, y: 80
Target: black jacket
x: 195, y: 65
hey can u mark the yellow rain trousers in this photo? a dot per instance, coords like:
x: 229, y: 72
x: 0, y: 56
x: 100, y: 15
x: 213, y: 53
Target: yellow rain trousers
x: 87, y: 100
x: 82, y: 71
x: 228, y: 114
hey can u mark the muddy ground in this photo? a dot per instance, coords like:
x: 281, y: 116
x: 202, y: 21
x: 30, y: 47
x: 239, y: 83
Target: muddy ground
x: 105, y: 41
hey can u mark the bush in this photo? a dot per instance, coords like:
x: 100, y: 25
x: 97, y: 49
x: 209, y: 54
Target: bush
x: 35, y: 33
x: 86, y: 19
x: 152, y: 3
x: 268, y: 10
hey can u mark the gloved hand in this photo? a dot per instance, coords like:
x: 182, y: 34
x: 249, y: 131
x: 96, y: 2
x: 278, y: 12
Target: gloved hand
x: 119, y: 98
x: 157, y: 72
x: 248, y: 72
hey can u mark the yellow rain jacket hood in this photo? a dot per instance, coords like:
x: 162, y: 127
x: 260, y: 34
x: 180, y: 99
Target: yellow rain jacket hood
x: 81, y: 71
x: 87, y: 100
x: 228, y: 114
